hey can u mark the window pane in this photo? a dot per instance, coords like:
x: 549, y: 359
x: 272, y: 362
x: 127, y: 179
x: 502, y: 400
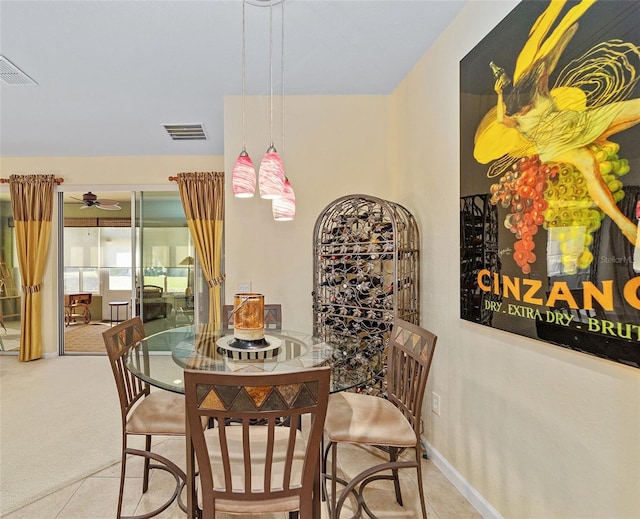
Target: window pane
x: 81, y: 246
x: 115, y: 247
x: 177, y: 279
x: 120, y: 279
x: 71, y: 280
x: 90, y: 281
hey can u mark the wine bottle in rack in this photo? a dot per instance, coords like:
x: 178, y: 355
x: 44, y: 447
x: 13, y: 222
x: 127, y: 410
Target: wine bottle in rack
x: 332, y: 281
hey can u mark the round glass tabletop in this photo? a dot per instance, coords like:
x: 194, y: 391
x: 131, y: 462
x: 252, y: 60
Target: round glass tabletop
x: 161, y: 358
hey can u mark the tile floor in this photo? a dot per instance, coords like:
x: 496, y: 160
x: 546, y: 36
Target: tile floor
x: 96, y: 496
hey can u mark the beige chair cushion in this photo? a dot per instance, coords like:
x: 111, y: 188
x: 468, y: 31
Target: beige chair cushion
x: 366, y: 419
x: 258, y: 440
x: 162, y: 412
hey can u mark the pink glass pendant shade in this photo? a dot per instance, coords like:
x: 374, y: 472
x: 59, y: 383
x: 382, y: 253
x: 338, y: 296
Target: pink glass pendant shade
x: 284, y: 208
x: 271, y: 175
x: 243, y: 177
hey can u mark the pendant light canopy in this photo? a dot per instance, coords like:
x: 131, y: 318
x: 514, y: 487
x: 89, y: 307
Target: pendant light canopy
x: 284, y: 208
x: 243, y: 176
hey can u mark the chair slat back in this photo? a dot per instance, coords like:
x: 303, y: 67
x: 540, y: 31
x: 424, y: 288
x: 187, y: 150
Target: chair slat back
x: 272, y: 316
x: 409, y: 358
x: 256, y: 442
x: 118, y: 340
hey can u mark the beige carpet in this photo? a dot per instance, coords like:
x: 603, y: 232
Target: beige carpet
x: 59, y: 422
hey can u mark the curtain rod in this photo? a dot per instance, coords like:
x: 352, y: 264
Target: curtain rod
x: 58, y: 181
x: 175, y: 179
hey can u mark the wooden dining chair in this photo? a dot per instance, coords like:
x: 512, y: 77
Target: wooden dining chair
x: 143, y: 412
x: 272, y: 316
x: 391, y: 423
x: 246, y: 468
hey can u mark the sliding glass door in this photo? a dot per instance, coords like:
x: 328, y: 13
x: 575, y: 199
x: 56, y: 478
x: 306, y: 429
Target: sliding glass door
x: 165, y: 262
x: 136, y: 260
x: 10, y: 292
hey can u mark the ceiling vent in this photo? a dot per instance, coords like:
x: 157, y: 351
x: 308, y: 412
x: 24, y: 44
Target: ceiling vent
x: 12, y: 75
x: 186, y: 132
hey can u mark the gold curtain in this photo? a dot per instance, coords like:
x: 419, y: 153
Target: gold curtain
x: 202, y: 197
x: 32, y: 205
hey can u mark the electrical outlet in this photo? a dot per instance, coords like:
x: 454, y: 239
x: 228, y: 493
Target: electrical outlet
x: 435, y: 403
x: 244, y: 287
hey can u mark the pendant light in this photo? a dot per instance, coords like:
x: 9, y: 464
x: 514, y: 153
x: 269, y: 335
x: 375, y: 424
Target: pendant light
x: 271, y: 175
x: 283, y: 208
x: 243, y: 177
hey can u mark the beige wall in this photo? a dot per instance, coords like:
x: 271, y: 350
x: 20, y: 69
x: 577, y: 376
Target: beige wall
x: 334, y: 146
x: 538, y: 430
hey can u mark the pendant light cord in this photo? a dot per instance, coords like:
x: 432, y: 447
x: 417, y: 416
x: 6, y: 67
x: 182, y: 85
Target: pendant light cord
x: 282, y: 75
x: 271, y: 71
x: 244, y: 78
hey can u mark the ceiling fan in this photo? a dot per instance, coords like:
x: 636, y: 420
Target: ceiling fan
x: 91, y: 200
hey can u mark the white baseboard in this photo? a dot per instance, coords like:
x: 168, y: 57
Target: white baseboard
x: 44, y: 355
x: 483, y: 507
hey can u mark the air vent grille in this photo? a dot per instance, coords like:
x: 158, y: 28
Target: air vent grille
x: 186, y: 132
x: 12, y: 75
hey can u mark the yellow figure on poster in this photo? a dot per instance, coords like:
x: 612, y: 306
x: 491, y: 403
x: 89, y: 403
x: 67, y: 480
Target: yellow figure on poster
x: 565, y: 127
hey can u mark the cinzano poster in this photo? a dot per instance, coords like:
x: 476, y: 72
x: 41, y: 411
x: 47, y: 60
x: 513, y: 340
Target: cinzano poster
x: 550, y: 176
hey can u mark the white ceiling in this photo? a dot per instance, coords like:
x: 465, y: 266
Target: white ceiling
x: 110, y: 73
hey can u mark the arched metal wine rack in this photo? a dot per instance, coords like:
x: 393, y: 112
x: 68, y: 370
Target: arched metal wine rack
x: 366, y: 272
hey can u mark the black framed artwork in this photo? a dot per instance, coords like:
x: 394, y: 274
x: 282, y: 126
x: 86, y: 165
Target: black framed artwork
x: 550, y: 177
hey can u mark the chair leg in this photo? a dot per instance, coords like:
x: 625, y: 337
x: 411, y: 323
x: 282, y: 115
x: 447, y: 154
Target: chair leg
x: 123, y: 470
x: 358, y: 483
x: 161, y: 463
x: 145, y: 476
x: 323, y: 471
x: 393, y: 457
x: 334, y: 476
x: 334, y: 504
x: 331, y: 502
x: 423, y: 504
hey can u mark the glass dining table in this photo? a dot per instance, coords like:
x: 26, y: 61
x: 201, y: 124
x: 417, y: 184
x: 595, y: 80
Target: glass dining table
x: 160, y: 359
